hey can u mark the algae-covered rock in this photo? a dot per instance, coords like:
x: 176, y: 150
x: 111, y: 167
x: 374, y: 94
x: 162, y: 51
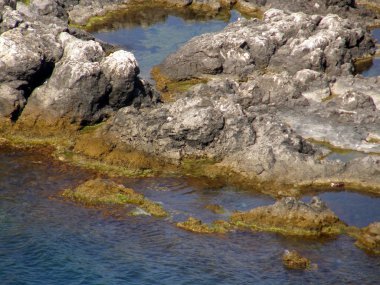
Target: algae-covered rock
x: 100, y: 192
x: 293, y: 260
x: 293, y: 217
x: 195, y: 225
x: 215, y: 208
x: 369, y: 238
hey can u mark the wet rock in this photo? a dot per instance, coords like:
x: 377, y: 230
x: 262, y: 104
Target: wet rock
x: 293, y: 260
x: 215, y: 208
x: 283, y: 41
x: 293, y: 217
x: 195, y: 225
x: 369, y: 238
x: 102, y: 192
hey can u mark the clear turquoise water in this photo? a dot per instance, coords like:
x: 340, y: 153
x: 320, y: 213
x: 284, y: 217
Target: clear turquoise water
x: 151, y: 44
x: 44, y: 240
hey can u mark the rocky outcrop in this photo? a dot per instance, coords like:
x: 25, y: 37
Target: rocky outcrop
x: 310, y: 7
x: 111, y: 82
x: 283, y: 41
x: 61, y: 76
x: 291, y: 216
x: 369, y: 238
x: 276, y: 101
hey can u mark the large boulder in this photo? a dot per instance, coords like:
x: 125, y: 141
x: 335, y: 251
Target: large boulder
x: 282, y: 41
x: 204, y: 123
x: 86, y: 85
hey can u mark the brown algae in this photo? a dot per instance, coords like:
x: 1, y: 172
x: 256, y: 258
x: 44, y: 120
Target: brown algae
x: 102, y: 192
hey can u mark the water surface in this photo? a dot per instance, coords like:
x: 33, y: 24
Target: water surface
x: 374, y: 68
x: 44, y: 240
x: 159, y: 34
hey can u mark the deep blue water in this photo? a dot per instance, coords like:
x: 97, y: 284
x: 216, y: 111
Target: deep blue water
x: 151, y: 44
x: 44, y: 240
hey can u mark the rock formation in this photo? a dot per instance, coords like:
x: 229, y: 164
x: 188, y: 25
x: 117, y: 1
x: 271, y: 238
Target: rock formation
x: 291, y: 216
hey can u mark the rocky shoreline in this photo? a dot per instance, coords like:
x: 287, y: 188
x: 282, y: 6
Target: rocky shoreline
x: 271, y: 99
x: 276, y: 93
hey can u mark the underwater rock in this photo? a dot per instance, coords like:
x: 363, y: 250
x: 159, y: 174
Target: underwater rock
x: 293, y: 260
x: 291, y: 217
x: 215, y: 208
x: 102, y: 192
x: 369, y: 238
x: 195, y: 225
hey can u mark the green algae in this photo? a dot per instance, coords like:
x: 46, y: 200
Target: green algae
x: 293, y: 260
x: 216, y: 209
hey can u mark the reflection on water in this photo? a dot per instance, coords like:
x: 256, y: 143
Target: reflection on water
x: 48, y: 241
x: 345, y: 156
x: 373, y: 69
x: 154, y: 33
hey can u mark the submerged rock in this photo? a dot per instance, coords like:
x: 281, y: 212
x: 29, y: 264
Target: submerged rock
x: 102, y: 192
x: 293, y: 217
x: 195, y: 225
x: 293, y: 260
x: 368, y: 238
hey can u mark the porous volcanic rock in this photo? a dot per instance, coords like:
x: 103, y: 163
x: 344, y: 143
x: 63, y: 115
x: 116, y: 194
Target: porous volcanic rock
x: 282, y: 41
x: 58, y: 73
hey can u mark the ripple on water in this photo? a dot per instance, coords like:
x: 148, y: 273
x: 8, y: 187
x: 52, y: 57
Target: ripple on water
x: 48, y: 241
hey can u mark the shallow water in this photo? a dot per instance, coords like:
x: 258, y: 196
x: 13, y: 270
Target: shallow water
x: 374, y: 68
x: 44, y: 240
x: 153, y: 40
x: 353, y: 208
